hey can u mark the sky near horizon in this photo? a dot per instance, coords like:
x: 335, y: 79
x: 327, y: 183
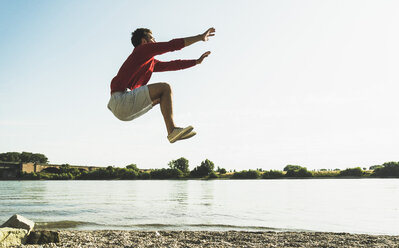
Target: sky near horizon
x: 312, y: 83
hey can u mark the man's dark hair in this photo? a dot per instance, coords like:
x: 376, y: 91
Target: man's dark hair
x: 138, y: 34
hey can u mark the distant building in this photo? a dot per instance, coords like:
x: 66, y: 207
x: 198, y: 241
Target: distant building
x: 9, y: 170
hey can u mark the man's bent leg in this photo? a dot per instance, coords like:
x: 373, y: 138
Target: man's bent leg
x: 162, y: 93
x: 155, y: 102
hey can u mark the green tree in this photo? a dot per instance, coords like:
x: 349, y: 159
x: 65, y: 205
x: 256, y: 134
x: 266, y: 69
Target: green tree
x: 27, y: 157
x: 180, y: 164
x: 212, y: 175
x: 10, y: 157
x: 166, y: 173
x: 132, y: 167
x: 124, y: 173
x: 373, y: 167
x: 301, y: 172
x: 246, y: 174
x: 101, y: 173
x: 221, y: 170
x: 144, y: 175
x: 64, y: 168
x: 292, y: 167
x: 51, y: 170
x: 272, y: 174
x: 23, y: 157
x: 388, y: 169
x: 351, y: 172
x: 203, y: 170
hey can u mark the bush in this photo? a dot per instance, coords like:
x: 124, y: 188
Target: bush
x: 62, y: 176
x: 325, y: 173
x: 250, y: 174
x: 83, y: 175
x: 128, y: 174
x: 272, y: 174
x: 166, y: 173
x: 389, y: 169
x: 132, y: 167
x: 29, y: 176
x: 373, y: 167
x: 213, y: 175
x: 302, y: 172
x: 66, y: 168
x: 221, y: 170
x: 144, y: 175
x: 43, y: 176
x: 100, y: 174
x: 53, y: 176
x: 51, y: 170
x: 351, y: 172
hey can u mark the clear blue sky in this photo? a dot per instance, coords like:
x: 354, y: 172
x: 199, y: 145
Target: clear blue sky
x: 313, y: 83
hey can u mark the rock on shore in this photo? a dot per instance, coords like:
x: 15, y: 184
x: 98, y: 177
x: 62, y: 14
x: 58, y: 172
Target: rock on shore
x: 12, y: 236
x: 15, y: 231
x: 218, y: 239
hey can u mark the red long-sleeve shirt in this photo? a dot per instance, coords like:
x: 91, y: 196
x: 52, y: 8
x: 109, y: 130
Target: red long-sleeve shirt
x: 136, y: 71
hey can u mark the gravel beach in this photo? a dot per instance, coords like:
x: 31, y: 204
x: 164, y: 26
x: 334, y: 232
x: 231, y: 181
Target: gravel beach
x: 218, y: 239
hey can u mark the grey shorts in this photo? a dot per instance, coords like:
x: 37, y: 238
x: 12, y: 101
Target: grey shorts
x: 129, y: 105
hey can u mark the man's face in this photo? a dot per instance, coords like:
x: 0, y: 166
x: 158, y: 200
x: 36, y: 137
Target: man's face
x: 149, y: 38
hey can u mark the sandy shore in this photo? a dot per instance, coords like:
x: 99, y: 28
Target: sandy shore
x: 218, y: 239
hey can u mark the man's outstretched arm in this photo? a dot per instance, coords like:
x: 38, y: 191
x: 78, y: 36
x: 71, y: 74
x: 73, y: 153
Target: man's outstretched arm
x: 204, y: 37
x: 149, y: 50
x: 173, y: 65
x: 178, y: 64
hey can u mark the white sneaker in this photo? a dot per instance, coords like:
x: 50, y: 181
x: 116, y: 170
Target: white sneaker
x: 189, y: 135
x: 179, y: 132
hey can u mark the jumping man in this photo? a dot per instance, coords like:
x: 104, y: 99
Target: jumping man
x: 131, y: 97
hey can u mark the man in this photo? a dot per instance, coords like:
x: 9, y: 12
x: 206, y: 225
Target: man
x: 131, y: 97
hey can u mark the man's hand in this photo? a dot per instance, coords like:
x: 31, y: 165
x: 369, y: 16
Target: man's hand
x: 210, y: 32
x: 204, y: 37
x: 203, y: 56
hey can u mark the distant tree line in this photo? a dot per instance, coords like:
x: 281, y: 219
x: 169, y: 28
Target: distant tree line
x: 386, y: 170
x: 179, y: 169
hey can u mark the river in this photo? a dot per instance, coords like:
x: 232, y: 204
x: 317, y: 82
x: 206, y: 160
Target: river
x: 335, y: 205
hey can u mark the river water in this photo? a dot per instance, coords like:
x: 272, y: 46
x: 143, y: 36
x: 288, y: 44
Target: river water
x: 336, y: 205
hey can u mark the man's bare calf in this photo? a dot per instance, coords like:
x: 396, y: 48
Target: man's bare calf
x: 162, y: 93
